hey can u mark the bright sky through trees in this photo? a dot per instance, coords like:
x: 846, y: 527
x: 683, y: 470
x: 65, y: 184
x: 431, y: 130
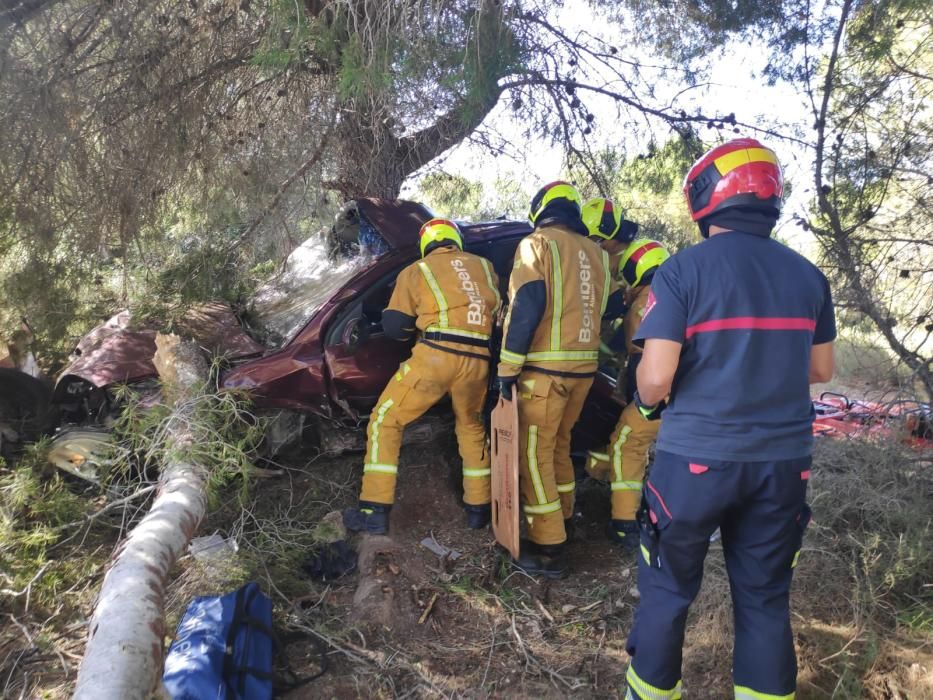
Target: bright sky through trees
x: 733, y: 84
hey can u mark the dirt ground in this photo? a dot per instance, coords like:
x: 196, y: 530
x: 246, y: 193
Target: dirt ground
x: 409, y: 623
x: 423, y: 626
x: 473, y: 626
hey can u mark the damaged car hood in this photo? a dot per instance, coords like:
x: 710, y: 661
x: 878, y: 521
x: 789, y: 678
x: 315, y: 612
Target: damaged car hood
x: 119, y: 352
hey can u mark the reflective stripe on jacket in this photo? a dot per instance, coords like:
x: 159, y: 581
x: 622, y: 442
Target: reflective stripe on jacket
x: 574, y: 277
x: 451, y: 293
x: 637, y: 302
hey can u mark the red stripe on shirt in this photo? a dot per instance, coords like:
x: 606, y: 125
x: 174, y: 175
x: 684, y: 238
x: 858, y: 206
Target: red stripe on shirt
x: 752, y: 323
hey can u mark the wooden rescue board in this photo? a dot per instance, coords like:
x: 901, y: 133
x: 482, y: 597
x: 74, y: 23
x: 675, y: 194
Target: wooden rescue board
x: 505, y: 497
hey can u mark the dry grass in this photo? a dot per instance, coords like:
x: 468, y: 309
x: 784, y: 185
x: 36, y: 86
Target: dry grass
x: 862, y: 597
x: 863, y: 604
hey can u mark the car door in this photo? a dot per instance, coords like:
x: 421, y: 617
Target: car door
x: 360, y: 358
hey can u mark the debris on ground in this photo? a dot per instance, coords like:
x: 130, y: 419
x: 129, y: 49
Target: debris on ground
x: 212, y: 547
x: 431, y: 544
x: 87, y: 453
x: 331, y: 528
x: 331, y: 561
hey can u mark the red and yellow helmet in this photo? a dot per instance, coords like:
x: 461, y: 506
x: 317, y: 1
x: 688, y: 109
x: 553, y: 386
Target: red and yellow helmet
x: 601, y: 218
x: 641, y: 258
x: 552, y: 192
x: 739, y: 173
x: 437, y: 230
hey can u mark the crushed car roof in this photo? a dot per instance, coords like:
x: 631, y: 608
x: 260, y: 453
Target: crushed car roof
x: 400, y: 220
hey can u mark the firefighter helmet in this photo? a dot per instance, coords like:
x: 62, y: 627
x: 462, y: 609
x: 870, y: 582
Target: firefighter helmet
x: 640, y: 259
x: 601, y: 217
x: 437, y: 230
x: 739, y: 173
x: 550, y: 193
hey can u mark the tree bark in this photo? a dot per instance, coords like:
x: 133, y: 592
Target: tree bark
x: 124, y: 653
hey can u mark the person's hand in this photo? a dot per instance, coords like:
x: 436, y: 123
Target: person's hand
x: 650, y: 413
x: 505, y: 386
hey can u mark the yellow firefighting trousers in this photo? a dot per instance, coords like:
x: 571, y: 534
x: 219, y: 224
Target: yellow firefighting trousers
x: 623, y: 462
x: 548, y: 407
x: 421, y: 382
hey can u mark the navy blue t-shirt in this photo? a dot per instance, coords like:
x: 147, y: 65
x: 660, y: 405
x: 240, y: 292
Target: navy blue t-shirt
x: 748, y: 311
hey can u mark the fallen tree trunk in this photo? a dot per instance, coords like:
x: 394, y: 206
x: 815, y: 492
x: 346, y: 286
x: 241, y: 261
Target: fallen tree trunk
x: 124, y: 653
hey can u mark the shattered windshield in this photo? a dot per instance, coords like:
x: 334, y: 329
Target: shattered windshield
x: 311, y: 275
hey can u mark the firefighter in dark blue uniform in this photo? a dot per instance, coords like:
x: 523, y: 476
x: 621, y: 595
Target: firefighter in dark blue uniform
x: 735, y: 330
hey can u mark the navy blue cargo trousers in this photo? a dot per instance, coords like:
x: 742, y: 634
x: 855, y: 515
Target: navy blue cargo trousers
x: 761, y: 510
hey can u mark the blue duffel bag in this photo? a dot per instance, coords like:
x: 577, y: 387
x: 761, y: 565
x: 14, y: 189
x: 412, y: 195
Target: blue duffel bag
x: 223, y: 649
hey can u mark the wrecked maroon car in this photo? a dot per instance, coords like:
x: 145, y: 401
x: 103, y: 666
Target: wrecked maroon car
x: 331, y: 359
x: 338, y: 361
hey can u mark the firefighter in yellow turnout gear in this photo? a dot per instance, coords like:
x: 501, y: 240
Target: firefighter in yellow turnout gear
x: 559, y: 290
x: 608, y: 227
x: 451, y: 297
x: 624, y: 460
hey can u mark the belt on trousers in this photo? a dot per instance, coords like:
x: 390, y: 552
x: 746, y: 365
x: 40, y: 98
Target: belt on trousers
x: 452, y: 338
x: 454, y: 351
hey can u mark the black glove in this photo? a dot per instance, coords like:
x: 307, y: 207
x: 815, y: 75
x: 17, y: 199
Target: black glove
x: 650, y: 412
x: 505, y: 386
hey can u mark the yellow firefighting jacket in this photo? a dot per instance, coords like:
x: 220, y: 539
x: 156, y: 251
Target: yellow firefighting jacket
x: 614, y: 260
x: 558, y: 291
x: 451, y: 297
x: 637, y: 299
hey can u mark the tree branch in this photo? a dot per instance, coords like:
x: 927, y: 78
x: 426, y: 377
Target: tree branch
x: 21, y: 11
x: 302, y: 170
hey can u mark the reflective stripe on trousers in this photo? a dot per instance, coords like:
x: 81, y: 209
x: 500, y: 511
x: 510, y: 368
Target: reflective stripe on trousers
x: 742, y: 693
x: 548, y: 408
x: 380, y: 417
x: 420, y: 383
x: 645, y: 691
x: 380, y: 468
x: 617, y: 452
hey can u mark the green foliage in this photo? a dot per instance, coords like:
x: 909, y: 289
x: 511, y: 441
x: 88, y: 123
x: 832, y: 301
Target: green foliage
x: 453, y: 196
x: 41, y: 511
x: 207, y: 270
x: 285, y: 42
x: 458, y: 197
x: 647, y: 187
x: 362, y: 74
x: 689, y: 30
x: 34, y: 509
x: 60, y: 294
x: 873, y: 219
x: 226, y: 437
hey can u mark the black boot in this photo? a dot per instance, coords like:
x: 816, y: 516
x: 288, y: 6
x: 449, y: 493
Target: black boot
x: 570, y: 529
x: 541, y: 560
x: 479, y: 516
x: 369, y: 517
x: 625, y: 533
